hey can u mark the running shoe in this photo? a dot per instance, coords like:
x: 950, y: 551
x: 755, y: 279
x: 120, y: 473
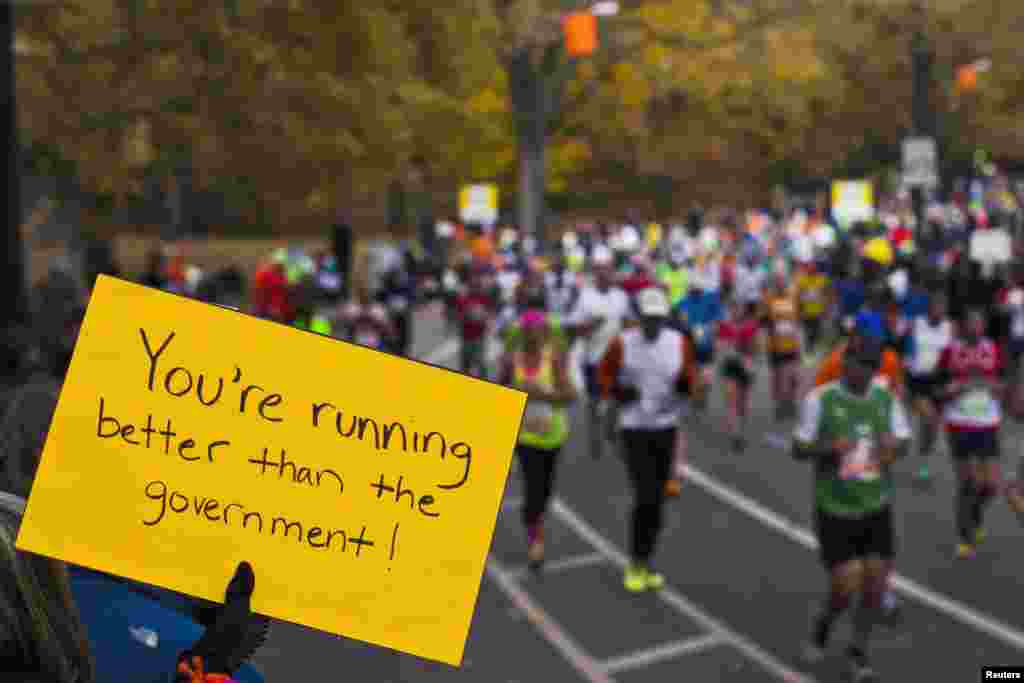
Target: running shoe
x: 635, y: 579
x: 924, y: 473
x: 739, y: 444
x: 979, y: 536
x: 965, y: 551
x: 653, y: 580
x: 673, y: 487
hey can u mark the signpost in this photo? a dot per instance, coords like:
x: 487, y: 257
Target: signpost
x: 852, y: 201
x: 479, y: 204
x: 920, y: 162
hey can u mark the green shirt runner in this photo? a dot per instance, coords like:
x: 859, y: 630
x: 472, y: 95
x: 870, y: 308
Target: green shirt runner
x: 859, y: 485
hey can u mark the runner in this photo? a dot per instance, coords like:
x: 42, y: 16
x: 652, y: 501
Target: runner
x: 1015, y: 493
x: 812, y: 290
x: 600, y: 315
x: 475, y: 309
x: 971, y: 368
x: 890, y: 373
x: 739, y: 331
x: 540, y: 368
x: 673, y: 274
x: 366, y: 323
x: 648, y: 370
x: 781, y: 318
x: 561, y: 285
x: 853, y: 430
x: 750, y: 278
x: 930, y: 336
x: 1011, y: 302
x: 699, y: 313
x: 851, y: 295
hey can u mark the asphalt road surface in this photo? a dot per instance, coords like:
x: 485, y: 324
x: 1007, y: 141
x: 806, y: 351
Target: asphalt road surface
x: 743, y: 579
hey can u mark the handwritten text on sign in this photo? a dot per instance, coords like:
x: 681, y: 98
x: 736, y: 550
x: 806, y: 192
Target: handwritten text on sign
x: 363, y: 488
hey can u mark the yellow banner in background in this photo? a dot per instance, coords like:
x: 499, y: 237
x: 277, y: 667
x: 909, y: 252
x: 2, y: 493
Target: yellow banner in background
x: 362, y: 487
x: 852, y: 201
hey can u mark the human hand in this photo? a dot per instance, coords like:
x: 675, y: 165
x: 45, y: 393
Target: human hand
x: 232, y: 637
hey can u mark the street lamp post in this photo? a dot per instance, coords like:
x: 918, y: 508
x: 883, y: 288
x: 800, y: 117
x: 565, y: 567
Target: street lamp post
x: 922, y: 114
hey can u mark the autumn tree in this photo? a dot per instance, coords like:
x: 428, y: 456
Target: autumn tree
x: 304, y: 103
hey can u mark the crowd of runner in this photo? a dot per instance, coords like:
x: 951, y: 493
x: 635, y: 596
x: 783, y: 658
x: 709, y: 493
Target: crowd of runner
x: 874, y: 340
x: 874, y: 345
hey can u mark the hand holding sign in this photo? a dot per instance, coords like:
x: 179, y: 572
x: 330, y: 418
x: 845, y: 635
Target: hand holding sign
x: 188, y: 437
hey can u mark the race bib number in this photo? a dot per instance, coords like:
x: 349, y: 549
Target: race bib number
x: 860, y: 464
x: 978, y: 405
x: 538, y: 417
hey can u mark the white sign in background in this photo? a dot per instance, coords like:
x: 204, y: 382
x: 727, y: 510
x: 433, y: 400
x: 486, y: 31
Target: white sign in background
x: 479, y: 204
x: 920, y: 162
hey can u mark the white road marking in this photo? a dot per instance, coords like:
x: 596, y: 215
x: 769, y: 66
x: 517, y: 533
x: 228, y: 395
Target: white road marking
x: 675, y: 600
x: 956, y: 610
x: 563, y: 565
x: 554, y: 634
x: 584, y: 664
x: 911, y: 589
x: 642, y: 658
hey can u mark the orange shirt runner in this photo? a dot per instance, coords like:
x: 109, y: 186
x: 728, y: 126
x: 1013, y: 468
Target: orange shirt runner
x: 891, y: 372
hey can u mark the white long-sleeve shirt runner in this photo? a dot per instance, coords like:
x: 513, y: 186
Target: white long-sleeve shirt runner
x: 612, y: 305
x: 653, y: 368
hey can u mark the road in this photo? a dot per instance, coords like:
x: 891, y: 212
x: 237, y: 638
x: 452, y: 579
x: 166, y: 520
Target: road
x: 742, y: 572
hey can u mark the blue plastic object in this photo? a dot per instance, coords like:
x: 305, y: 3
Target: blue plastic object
x: 134, y: 638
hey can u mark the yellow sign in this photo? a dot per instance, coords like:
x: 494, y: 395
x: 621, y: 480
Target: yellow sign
x: 479, y: 204
x: 852, y: 201
x: 362, y: 487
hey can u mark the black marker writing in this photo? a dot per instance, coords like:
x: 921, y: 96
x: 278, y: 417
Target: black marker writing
x: 179, y: 381
x: 400, y: 492
x: 299, y: 475
x: 212, y: 510
x: 384, y: 436
x: 108, y: 427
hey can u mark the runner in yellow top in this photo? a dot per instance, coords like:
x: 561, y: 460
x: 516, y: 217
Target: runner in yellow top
x: 812, y: 290
x: 782, y: 323
x: 539, y: 367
